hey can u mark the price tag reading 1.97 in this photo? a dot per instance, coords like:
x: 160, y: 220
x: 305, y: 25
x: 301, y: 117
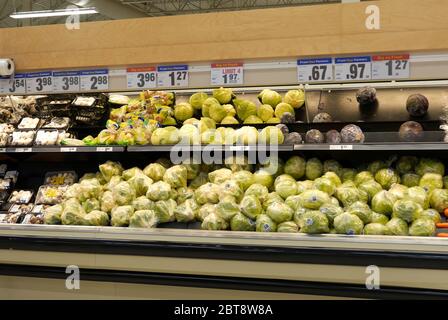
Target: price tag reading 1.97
x: 390, y: 67
x: 139, y: 78
x: 39, y: 82
x: 227, y: 73
x: 94, y: 80
x: 353, y: 68
x: 66, y: 81
x: 315, y: 70
x: 172, y: 76
x: 14, y: 85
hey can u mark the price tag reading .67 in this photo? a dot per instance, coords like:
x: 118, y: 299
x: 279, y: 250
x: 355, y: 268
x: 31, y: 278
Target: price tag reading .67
x: 315, y: 70
x: 172, y: 76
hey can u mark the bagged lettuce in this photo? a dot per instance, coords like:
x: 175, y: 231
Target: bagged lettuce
x: 110, y: 169
x: 376, y: 217
x: 333, y: 177
x: 164, y: 210
x: 348, y: 224
x: 288, y: 227
x: 383, y: 202
x: 361, y: 210
x: 271, y: 198
x: 431, y: 214
x: 331, y: 211
x: 418, y: 195
x: 265, y: 224
x: 363, y: 177
x: 325, y: 185
x: 376, y: 229
x: 183, y: 194
x: 244, y: 178
x: 410, y: 179
x: 207, y: 193
x: 143, y: 203
x: 205, y: 210
x: 231, y: 188
x: 240, y: 222
x: 121, y: 216
x: 387, y: 177
x: 302, y: 186
x: 251, y: 207
x: 428, y: 165
x: 293, y: 202
x: 155, y: 171
x: 140, y: 183
x: 176, y: 176
x: 52, y: 215
x: 186, y: 211
x: 259, y: 191
x: 159, y: 191
x: 143, y: 219
x: 113, y: 182
x: 438, y: 199
x: 286, y: 188
x: 123, y: 193
x: 279, y: 212
x: 130, y: 173
x: 406, y: 164
x: 73, y: 213
x: 214, y: 222
x: 201, y: 179
x: 406, y: 210
x: 219, y: 176
x: 371, y: 187
x: 227, y: 208
x: 422, y: 228
x: 89, y: 188
x: 263, y: 177
x: 91, y: 205
x: 107, y: 202
x: 97, y: 218
x: 314, y: 222
x: 431, y: 181
x: 313, y: 199
x: 314, y: 169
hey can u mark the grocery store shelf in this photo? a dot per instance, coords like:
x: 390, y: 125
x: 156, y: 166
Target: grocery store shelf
x: 210, y: 148
x: 373, y: 147
x: 61, y: 149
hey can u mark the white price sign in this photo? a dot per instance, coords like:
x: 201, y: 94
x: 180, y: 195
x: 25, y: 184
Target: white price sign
x: 94, y: 80
x: 227, y: 73
x: 353, y: 68
x: 390, y: 67
x: 13, y: 85
x: 172, y: 76
x: 315, y: 70
x: 66, y: 81
x: 37, y: 82
x: 140, y: 78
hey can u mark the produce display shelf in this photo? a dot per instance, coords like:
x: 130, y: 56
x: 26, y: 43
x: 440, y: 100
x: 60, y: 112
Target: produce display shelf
x: 62, y: 149
x: 373, y: 146
x: 214, y: 148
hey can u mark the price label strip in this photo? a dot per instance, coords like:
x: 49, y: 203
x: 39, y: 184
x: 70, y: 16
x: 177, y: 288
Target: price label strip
x: 391, y: 67
x: 16, y: 85
x: 172, y: 76
x: 92, y: 80
x: 353, y: 68
x: 37, y: 82
x: 140, y: 78
x: 66, y: 81
x: 227, y: 74
x: 315, y: 70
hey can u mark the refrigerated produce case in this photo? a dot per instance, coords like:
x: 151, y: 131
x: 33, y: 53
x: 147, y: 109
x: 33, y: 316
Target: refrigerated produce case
x: 228, y: 263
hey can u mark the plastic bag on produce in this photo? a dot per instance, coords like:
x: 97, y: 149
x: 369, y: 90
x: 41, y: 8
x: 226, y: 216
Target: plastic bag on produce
x: 110, y: 169
x: 91, y: 205
x: 107, y: 201
x: 155, y: 171
x: 314, y: 222
x: 259, y: 191
x: 89, y: 188
x: 313, y: 199
x: 52, y: 215
x: 97, y: 218
x: 143, y: 203
x: 265, y: 224
x: 107, y: 137
x: 227, y: 207
x: 439, y: 199
x: 130, y: 173
x: 165, y: 210
x: 207, y: 193
x: 140, y: 183
x: 240, y: 222
x: 186, y: 211
x: 176, y: 176
x: 73, y: 213
x: 143, y: 219
x: 376, y: 229
x: 125, y: 137
x: 288, y: 226
x: 279, y: 212
x: 214, y: 222
x: 121, y: 216
x: 159, y: 191
x: 123, y: 193
x: 361, y: 210
x: 113, y: 182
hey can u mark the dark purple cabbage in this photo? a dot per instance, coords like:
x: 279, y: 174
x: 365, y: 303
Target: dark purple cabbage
x: 288, y: 117
x: 322, y: 117
x: 333, y: 136
x: 411, y: 131
x: 283, y: 128
x: 293, y: 138
x: 366, y: 96
x: 417, y: 105
x: 352, y: 134
x: 314, y: 136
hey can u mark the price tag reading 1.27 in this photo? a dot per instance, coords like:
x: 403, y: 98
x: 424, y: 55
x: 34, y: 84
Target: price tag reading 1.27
x: 39, y: 82
x: 94, y: 80
x: 66, y: 81
x: 353, y: 68
x: 315, y: 70
x: 390, y: 67
x: 172, y: 76
x: 227, y: 73
x: 16, y: 85
x: 140, y: 78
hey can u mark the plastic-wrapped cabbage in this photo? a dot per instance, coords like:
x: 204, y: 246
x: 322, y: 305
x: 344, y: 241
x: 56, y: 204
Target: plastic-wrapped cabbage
x: 227, y: 207
x: 313, y: 199
x: 371, y: 187
x: 298, y: 214
x: 251, y: 207
x: 87, y: 176
x: 348, y: 195
x: 288, y: 226
x: 159, y: 191
x: 244, y: 178
x: 176, y: 176
x: 265, y: 112
x: 271, y: 198
x: 240, y: 222
x: 140, y: 183
x: 165, y: 136
x: 197, y: 99
x: 231, y: 188
x: 427, y: 165
x: 406, y: 210
x: 245, y: 108
x: 348, y: 174
x: 418, y: 195
x: 348, y: 224
x: 293, y: 202
x: 422, y: 228
x: 335, y: 201
x: 376, y: 166
x: 438, y: 199
x: 362, y: 177
x: 130, y: 173
x: 201, y: 179
x: 91, y: 205
x: 229, y: 120
x: 314, y: 169
x: 263, y: 177
x: 110, y: 169
x: 164, y: 210
x: 183, y: 111
x: 376, y: 217
x: 279, y: 212
x: 217, y: 112
x: 361, y: 210
x: 286, y: 188
x: 325, y: 185
x: 192, y: 169
x: 225, y: 136
x: 121, y: 216
x: 295, y: 167
x: 97, y: 218
x: 52, y: 215
x: 73, y: 213
x: 406, y: 164
x: 113, y: 182
x: 123, y: 193
x: 220, y: 175
x: 143, y: 219
x: 189, y: 134
x: 333, y: 177
x: 214, y: 222
x: 296, y: 98
x: 265, y: 224
x: 399, y: 191
x: 431, y: 214
x: 246, y: 135
x: 331, y: 211
x: 184, y: 194
x: 107, y: 201
x: 383, y: 202
x: 207, y: 193
x: 90, y: 188
x: 186, y: 211
x: 206, y: 124
x: 143, y: 203
x: 376, y: 229
x: 387, y: 177
x: 333, y: 166
x: 271, y: 135
x: 410, y: 179
x: 258, y: 190
x: 397, y: 227
x: 302, y: 186
x: 314, y: 222
x: 431, y: 181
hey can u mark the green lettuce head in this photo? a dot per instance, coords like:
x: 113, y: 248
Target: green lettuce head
x: 295, y: 166
x: 348, y: 174
x: 418, y: 195
x: 438, y: 199
x: 286, y: 188
x: 143, y: 219
x: 258, y: 190
x: 376, y: 217
x: 397, y: 227
x: 207, y: 193
x: 223, y: 95
x: 331, y: 211
x: 422, y: 228
x: 406, y: 164
x: 197, y: 100
x: 246, y: 135
x: 240, y: 222
x: 270, y: 97
x: 333, y: 166
x: 279, y: 212
x: 265, y: 224
x: 229, y: 120
x: 227, y: 207
x: 410, y: 179
x: 387, y: 177
x: 214, y: 222
x: 159, y: 191
x: 217, y: 112
x: 314, y: 169
x: 245, y: 108
x: 383, y: 202
x: 295, y: 98
x: 271, y: 135
x: 376, y: 229
x: 288, y: 226
x: 251, y: 207
x: 207, y: 104
x: 283, y: 108
x: 314, y: 222
x: 265, y: 112
x: 348, y: 224
x: 431, y: 181
x: 244, y: 178
x: 406, y: 210
x: 165, y: 210
x: 189, y: 134
x: 371, y: 187
x: 313, y: 199
x: 325, y: 185
x: 362, y: 177
x: 263, y: 177
x: 176, y: 176
x: 427, y: 165
x: 361, y: 210
x: 183, y: 111
x: 431, y: 214
x: 155, y: 171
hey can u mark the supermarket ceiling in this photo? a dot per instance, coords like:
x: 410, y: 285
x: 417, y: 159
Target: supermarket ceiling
x: 123, y: 9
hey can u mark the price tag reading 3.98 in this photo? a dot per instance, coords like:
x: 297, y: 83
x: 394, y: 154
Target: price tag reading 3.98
x: 353, y: 68
x: 94, y: 80
x: 172, y: 76
x: 66, y: 81
x: 315, y: 70
x: 39, y: 82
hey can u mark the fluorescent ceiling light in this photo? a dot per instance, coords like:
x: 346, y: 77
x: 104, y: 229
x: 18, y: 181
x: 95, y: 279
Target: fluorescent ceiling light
x: 52, y: 13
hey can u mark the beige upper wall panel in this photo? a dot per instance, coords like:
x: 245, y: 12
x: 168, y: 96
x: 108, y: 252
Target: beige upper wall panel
x: 406, y: 25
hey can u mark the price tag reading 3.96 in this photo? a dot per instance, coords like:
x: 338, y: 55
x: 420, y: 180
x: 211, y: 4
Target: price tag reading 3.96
x: 315, y: 70
x: 66, y: 81
x: 172, y: 76
x: 353, y: 68
x: 39, y: 82
x: 390, y: 67
x: 140, y: 78
x: 94, y: 80
x: 226, y: 73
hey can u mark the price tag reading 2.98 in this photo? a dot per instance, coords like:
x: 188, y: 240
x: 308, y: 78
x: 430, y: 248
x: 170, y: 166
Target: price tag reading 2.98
x: 172, y: 76
x: 315, y: 70
x: 94, y: 80
x: 140, y: 78
x: 353, y: 68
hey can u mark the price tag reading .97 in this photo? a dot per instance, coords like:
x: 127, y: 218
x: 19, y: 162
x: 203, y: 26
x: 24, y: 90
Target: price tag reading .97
x: 227, y: 73
x: 139, y: 78
x: 66, y: 81
x: 94, y: 80
x: 315, y: 70
x: 172, y: 76
x: 353, y: 68
x: 39, y: 82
